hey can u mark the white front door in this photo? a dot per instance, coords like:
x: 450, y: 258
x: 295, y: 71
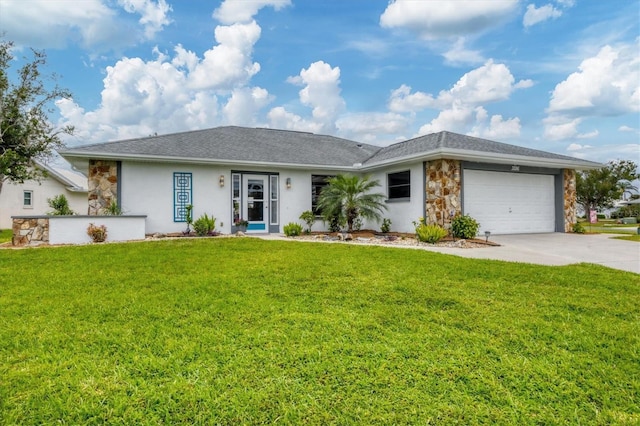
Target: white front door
x: 255, y: 202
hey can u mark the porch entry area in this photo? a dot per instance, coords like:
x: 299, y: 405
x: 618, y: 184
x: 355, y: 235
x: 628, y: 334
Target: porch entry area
x: 255, y: 200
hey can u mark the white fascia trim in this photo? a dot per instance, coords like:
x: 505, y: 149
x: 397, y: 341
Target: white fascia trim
x: 488, y: 157
x: 187, y: 160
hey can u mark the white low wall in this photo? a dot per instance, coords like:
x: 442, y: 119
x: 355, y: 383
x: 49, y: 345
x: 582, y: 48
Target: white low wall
x: 73, y: 229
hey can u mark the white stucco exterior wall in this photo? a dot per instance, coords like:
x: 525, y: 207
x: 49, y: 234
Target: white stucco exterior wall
x: 73, y: 229
x: 12, y: 197
x: 147, y: 189
x: 402, y: 212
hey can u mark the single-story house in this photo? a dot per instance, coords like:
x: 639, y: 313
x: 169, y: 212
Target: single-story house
x: 269, y: 177
x: 30, y: 198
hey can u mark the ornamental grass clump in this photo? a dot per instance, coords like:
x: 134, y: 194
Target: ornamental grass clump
x: 204, y: 225
x: 430, y: 233
x: 292, y: 229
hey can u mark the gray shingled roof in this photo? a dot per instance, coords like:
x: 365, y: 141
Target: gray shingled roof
x: 243, y: 145
x: 260, y: 145
x: 447, y: 140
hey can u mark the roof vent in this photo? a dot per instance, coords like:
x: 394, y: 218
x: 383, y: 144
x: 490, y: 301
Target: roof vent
x: 359, y: 145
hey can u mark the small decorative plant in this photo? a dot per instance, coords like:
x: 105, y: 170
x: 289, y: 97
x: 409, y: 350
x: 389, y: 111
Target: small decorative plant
x: 578, y: 228
x: 97, y: 233
x: 241, y: 223
x: 464, y: 227
x: 292, y: 229
x: 430, y: 233
x: 113, y: 209
x: 309, y: 218
x: 386, y: 225
x: 204, y: 225
x: 188, y: 217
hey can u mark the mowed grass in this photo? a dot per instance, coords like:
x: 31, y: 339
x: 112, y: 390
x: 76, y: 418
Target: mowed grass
x: 5, y: 235
x: 245, y: 331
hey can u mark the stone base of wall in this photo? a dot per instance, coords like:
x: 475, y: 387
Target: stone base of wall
x: 30, y: 231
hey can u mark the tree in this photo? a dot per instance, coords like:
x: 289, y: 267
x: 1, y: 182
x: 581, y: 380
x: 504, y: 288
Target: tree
x: 26, y: 134
x: 347, y: 197
x: 600, y: 188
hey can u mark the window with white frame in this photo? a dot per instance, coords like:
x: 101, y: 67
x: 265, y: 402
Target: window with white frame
x: 399, y: 185
x: 27, y: 199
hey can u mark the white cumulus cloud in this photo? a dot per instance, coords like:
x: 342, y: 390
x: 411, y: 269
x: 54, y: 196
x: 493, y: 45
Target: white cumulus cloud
x: 174, y: 93
x: 437, y: 19
x: 153, y: 15
x: 321, y: 92
x: 604, y: 85
x: 233, y: 11
x: 95, y: 24
x: 228, y: 64
x: 535, y: 15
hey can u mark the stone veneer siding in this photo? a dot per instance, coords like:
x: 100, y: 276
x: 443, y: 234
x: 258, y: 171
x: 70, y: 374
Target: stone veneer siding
x: 103, y: 185
x: 30, y: 231
x: 570, y: 198
x: 443, y: 191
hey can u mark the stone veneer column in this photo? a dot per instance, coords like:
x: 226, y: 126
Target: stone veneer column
x: 443, y: 191
x: 570, y: 198
x: 103, y: 185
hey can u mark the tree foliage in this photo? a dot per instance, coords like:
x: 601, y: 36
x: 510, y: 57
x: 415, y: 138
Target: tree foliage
x: 60, y: 206
x: 26, y: 134
x: 600, y: 188
x: 348, y: 197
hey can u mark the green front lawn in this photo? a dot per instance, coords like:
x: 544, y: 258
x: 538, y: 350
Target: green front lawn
x: 610, y: 227
x: 5, y: 235
x: 245, y: 331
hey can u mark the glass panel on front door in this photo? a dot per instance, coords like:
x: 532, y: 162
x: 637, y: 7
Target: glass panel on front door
x: 255, y: 205
x: 255, y: 200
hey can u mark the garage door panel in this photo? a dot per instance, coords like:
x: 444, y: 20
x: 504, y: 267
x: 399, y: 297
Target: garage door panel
x: 509, y: 203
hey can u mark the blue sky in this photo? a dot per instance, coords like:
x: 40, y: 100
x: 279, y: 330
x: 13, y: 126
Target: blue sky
x: 557, y: 75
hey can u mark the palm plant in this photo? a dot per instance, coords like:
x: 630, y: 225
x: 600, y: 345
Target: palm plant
x: 348, y: 197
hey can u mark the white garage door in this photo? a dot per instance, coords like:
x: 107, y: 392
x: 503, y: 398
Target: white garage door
x: 510, y: 203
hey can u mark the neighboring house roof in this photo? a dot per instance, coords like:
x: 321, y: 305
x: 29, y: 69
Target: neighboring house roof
x: 74, y: 181
x: 260, y: 146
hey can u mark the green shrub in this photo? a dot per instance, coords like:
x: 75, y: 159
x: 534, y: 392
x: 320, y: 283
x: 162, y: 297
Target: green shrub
x: 292, y: 229
x: 60, y: 206
x: 204, y: 225
x: 430, y: 233
x: 464, y: 227
x: 386, y: 225
x: 309, y: 218
x: 578, y: 228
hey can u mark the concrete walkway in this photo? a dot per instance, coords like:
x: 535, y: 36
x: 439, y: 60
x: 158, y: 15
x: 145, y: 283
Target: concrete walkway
x: 550, y: 249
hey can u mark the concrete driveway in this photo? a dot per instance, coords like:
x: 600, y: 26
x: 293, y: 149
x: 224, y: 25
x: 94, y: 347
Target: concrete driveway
x: 560, y: 249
